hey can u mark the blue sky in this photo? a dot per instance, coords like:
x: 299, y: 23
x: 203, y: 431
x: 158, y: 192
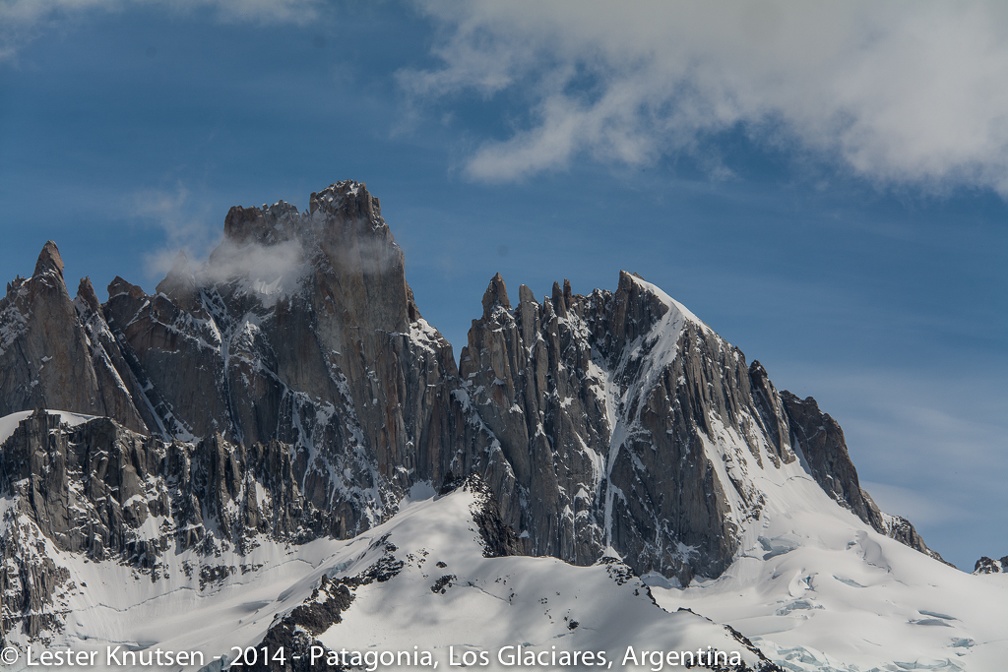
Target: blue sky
x: 824, y: 185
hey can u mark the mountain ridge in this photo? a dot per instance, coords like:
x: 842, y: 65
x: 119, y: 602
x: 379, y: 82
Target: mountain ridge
x: 291, y: 388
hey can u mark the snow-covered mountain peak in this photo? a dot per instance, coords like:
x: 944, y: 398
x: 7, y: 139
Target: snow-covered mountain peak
x: 275, y: 408
x: 340, y: 190
x: 422, y: 581
x: 660, y: 294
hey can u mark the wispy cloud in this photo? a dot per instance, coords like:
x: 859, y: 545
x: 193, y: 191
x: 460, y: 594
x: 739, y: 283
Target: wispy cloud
x: 268, y: 271
x: 23, y: 20
x: 898, y: 93
x: 184, y: 224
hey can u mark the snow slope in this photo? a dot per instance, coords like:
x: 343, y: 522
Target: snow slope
x: 812, y: 586
x: 815, y: 588
x: 541, y: 604
x: 446, y: 599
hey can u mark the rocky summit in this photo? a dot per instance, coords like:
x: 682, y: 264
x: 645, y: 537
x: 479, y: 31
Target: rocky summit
x: 289, y: 389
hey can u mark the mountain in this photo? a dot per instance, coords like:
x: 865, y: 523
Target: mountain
x: 262, y: 413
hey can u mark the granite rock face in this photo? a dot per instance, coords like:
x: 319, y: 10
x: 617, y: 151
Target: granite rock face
x: 630, y: 424
x: 599, y: 418
x: 302, y: 330
x: 58, y: 353
x: 290, y: 389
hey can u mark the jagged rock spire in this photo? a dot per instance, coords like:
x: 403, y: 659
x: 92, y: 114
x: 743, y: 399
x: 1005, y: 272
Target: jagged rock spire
x: 495, y: 295
x: 86, y: 294
x: 54, y: 352
x: 49, y: 261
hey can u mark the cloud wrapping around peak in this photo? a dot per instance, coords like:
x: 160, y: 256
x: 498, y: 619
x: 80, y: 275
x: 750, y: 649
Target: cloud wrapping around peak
x: 269, y: 272
x: 194, y: 246
x: 898, y: 93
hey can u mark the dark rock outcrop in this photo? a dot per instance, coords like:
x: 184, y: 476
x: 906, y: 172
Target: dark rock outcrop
x: 987, y: 565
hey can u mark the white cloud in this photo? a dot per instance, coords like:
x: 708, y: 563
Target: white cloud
x: 898, y: 92
x: 269, y: 271
x: 185, y: 225
x: 22, y: 20
x: 298, y: 12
